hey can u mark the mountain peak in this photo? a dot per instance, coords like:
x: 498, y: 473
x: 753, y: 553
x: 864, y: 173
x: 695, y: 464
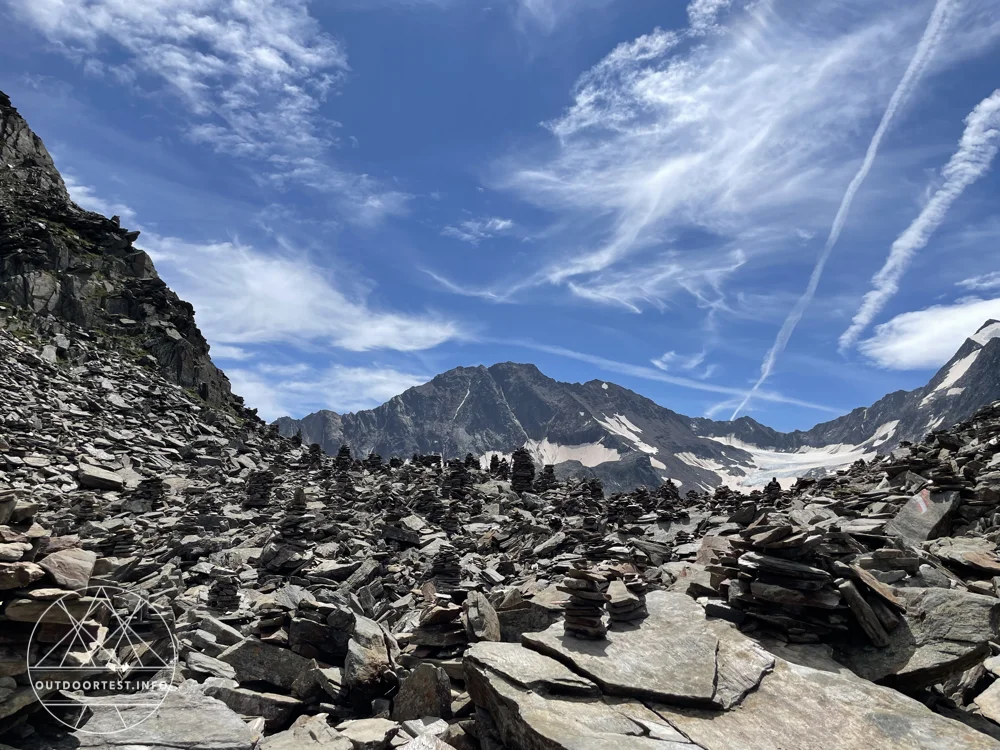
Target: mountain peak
x: 989, y: 330
x: 61, y: 263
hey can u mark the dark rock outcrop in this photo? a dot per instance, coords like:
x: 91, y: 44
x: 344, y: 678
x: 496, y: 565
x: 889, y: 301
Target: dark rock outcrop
x: 62, y: 262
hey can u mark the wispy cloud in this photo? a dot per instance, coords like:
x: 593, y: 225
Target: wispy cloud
x: 703, y: 14
x: 976, y: 151
x: 649, y: 373
x: 546, y: 15
x: 252, y: 76
x: 246, y: 296
x: 734, y: 136
x: 687, y: 363
x: 277, y: 392
x: 933, y: 33
x: 980, y: 283
x: 929, y: 337
x: 475, y: 231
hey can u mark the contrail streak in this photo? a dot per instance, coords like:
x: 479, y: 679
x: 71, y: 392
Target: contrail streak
x: 918, y: 63
x: 976, y: 151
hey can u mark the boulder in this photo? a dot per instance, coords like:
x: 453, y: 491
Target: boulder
x: 70, y: 568
x: 925, y: 516
x: 308, y: 733
x: 426, y: 691
x: 96, y: 478
x: 481, y: 621
x: 369, y: 734
x: 255, y: 661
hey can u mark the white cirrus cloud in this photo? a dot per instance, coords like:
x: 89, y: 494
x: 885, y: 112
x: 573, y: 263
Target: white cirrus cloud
x: 292, y: 391
x: 244, y: 296
x: 703, y: 14
x: 927, y: 338
x: 252, y: 75
x: 934, y: 32
x: 982, y: 282
x: 546, y: 15
x: 475, y: 231
x: 976, y: 150
x: 748, y: 138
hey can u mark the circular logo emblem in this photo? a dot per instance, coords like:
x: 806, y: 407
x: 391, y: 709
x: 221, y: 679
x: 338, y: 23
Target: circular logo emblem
x: 100, y: 659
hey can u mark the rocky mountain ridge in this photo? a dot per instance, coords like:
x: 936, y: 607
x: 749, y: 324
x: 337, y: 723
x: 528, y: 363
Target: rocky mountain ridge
x: 63, y: 262
x: 602, y: 430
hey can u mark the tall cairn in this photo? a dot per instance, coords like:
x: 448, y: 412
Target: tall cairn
x: 523, y: 473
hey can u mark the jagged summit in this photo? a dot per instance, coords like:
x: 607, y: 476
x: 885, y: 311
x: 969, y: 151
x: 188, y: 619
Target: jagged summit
x: 602, y: 430
x: 62, y: 263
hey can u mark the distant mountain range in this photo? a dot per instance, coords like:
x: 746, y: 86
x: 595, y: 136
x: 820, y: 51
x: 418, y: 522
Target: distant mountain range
x: 601, y: 429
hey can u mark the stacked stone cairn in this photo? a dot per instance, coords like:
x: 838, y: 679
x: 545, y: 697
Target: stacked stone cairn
x: 258, y: 489
x: 627, y: 600
x: 584, y: 612
x: 523, y: 474
x: 224, y: 593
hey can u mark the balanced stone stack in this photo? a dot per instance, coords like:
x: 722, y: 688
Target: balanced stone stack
x: 456, y: 481
x: 446, y: 570
x: 150, y: 493
x: 224, y: 593
x: 315, y: 459
x: 584, y: 612
x: 523, y: 473
x: 258, y: 489
x: 547, y: 480
x: 627, y: 600
x: 374, y: 462
x: 343, y: 460
x: 290, y: 548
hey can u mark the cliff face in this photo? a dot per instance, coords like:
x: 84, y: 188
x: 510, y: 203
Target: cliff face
x: 61, y: 262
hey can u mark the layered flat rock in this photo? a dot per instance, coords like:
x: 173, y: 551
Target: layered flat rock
x: 529, y: 669
x: 943, y: 632
x: 803, y: 707
x: 528, y: 720
x: 186, y: 720
x: 670, y: 656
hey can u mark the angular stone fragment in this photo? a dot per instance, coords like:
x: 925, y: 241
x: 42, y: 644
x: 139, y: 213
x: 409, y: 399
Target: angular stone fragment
x: 255, y: 660
x: 97, y: 478
x: 924, y: 516
x: 70, y: 568
x: 671, y: 657
x: 426, y: 691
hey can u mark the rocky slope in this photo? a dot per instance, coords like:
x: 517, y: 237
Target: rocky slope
x: 594, y: 429
x: 83, y: 268
x: 602, y: 430
x: 325, y: 603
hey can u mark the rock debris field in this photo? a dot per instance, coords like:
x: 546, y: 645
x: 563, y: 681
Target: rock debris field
x: 354, y: 602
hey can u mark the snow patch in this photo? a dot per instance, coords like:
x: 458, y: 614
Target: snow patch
x: 933, y: 424
x: 467, y: 392
x: 955, y: 392
x: 604, y: 386
x: 589, y: 454
x: 786, y: 467
x: 954, y: 374
x: 656, y: 463
x: 619, y: 425
x: 989, y: 332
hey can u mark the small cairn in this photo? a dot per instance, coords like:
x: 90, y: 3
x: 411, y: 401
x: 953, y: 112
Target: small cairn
x: 224, y: 593
x: 523, y: 475
x: 315, y: 457
x: 547, y: 480
x: 258, y: 489
x: 585, y: 608
x: 627, y: 600
x: 150, y: 493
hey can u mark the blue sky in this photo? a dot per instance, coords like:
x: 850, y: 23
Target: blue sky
x: 777, y: 208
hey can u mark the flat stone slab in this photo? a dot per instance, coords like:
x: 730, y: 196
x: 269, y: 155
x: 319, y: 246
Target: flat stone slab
x: 530, y: 669
x: 924, y: 516
x: 670, y: 656
x: 797, y: 706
